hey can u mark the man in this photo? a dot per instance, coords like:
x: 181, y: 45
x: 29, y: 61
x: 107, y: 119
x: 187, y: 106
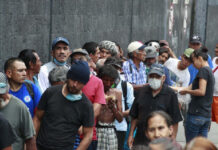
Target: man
x: 94, y: 53
x: 163, y: 55
x: 155, y: 96
x: 127, y: 100
x: 93, y: 50
x: 29, y: 93
x: 94, y: 90
x: 57, y: 76
x: 18, y: 116
x: 60, y: 52
x: 151, y: 57
x: 181, y: 77
x: 134, y: 68
x: 7, y: 136
x: 196, y: 44
x: 61, y: 112
x: 33, y: 64
x: 107, y: 49
x: 107, y: 138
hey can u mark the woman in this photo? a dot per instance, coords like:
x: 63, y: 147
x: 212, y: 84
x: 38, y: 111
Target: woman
x: 201, y: 90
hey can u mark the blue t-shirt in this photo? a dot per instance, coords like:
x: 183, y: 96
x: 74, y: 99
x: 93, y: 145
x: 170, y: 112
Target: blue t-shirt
x: 25, y: 97
x: 193, y: 71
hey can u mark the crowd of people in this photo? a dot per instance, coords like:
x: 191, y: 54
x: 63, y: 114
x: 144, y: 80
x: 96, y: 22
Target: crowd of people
x: 95, y: 98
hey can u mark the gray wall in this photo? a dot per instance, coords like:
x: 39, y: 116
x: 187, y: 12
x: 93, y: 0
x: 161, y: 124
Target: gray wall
x: 34, y: 23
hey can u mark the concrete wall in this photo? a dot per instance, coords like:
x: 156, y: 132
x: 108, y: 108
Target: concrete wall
x: 34, y: 23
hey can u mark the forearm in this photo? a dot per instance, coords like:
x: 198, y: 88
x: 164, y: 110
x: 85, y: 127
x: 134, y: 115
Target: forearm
x: 175, y: 130
x: 197, y: 92
x: 87, y: 138
x: 125, y: 113
x: 118, y: 114
x: 37, y: 124
x: 133, y: 126
x: 137, y: 87
x: 31, y: 144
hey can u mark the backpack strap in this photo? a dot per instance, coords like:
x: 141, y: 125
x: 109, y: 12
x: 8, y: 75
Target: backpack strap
x: 124, y: 89
x: 215, y: 69
x: 29, y: 89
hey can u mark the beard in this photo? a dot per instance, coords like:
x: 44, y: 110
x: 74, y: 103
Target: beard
x: 72, y: 90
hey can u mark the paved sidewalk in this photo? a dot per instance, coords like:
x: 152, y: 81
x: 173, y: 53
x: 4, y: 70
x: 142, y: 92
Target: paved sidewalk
x: 213, y: 134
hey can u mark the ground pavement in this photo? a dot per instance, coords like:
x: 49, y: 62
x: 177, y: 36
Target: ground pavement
x: 213, y: 134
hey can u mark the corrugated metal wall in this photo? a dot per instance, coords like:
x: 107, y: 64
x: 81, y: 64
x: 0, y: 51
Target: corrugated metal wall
x: 34, y: 23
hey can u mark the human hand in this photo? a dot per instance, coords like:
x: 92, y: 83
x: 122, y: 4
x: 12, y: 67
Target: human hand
x: 130, y: 141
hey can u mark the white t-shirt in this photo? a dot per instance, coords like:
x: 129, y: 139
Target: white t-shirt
x: 215, y: 76
x: 182, y: 77
x: 43, y: 75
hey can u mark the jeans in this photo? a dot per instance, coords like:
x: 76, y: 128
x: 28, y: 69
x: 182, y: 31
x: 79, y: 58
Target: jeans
x: 196, y: 126
x: 93, y: 145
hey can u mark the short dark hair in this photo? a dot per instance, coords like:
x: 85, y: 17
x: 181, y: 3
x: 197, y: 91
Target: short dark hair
x: 109, y: 71
x: 9, y: 62
x: 163, y: 50
x: 115, y: 61
x: 198, y: 53
x: 90, y: 47
x: 161, y: 113
x: 27, y: 55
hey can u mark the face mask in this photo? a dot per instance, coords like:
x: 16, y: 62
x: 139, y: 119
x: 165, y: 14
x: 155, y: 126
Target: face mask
x: 74, y: 97
x: 154, y: 83
x: 59, y: 63
x: 3, y: 103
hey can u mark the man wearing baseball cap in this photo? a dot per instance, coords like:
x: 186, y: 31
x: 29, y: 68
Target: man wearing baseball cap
x: 63, y: 109
x: 154, y: 96
x: 18, y: 115
x: 60, y: 52
x: 196, y: 43
x: 133, y: 68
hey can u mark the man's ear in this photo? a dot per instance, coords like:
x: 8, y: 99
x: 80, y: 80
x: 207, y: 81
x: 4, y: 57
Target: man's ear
x: 8, y: 73
x: 31, y: 65
x: 171, y: 130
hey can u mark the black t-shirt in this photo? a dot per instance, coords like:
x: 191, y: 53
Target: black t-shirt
x: 7, y: 136
x: 201, y: 105
x: 145, y: 103
x: 62, y: 119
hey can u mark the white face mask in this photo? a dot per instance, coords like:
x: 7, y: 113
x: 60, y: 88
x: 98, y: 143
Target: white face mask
x: 154, y: 83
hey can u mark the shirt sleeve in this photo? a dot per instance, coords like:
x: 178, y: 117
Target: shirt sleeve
x: 43, y: 100
x: 43, y: 78
x: 99, y: 95
x: 203, y: 73
x: 174, y: 111
x: 37, y: 95
x: 26, y: 124
x: 134, y: 109
x: 7, y: 136
x: 126, y: 71
x: 88, y: 115
x: 130, y: 95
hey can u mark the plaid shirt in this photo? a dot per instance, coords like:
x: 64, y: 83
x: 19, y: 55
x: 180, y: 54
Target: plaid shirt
x: 134, y: 75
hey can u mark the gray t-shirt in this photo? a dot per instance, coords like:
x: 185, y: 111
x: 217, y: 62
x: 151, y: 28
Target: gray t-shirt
x: 201, y: 105
x: 20, y: 119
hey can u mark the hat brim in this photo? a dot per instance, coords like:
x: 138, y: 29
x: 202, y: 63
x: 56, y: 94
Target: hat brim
x: 155, y: 72
x: 195, y: 42
x: 151, y: 56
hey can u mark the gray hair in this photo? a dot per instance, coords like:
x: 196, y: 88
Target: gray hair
x: 58, y: 74
x: 110, y: 46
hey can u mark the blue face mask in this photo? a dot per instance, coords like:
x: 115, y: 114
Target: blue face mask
x: 74, y: 97
x: 59, y: 63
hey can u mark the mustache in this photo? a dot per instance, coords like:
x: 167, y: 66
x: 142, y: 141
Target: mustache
x: 61, y: 54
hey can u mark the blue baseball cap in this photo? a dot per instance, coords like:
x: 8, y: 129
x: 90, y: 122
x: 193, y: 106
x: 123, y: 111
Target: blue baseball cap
x: 59, y: 39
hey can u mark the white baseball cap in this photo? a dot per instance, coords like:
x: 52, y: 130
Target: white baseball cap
x: 136, y: 45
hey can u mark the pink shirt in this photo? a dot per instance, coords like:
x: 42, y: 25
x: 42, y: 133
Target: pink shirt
x: 94, y: 90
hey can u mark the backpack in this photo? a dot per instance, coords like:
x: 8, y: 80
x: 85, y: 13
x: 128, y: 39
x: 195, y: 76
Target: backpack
x: 29, y: 89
